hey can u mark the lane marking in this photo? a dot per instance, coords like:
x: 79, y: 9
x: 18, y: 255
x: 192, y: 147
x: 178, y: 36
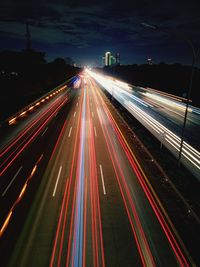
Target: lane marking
x: 95, y: 131
x: 44, y: 131
x: 70, y: 131
x: 92, y: 114
x: 5, y: 191
x: 77, y: 104
x: 102, y: 179
x: 74, y: 114
x: 58, y: 177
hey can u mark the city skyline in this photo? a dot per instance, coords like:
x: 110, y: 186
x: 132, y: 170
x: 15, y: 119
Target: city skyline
x: 110, y: 59
x: 85, y: 31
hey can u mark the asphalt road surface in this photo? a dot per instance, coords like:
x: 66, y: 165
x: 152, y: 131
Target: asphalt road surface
x: 93, y: 205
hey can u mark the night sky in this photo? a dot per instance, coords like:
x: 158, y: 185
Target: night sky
x: 85, y: 30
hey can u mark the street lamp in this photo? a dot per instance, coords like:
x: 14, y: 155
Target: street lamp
x: 195, y: 53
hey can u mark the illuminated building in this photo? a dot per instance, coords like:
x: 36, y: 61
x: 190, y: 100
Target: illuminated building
x: 110, y: 60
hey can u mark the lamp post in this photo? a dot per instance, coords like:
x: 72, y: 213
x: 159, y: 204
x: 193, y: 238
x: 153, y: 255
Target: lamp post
x: 195, y: 54
x: 194, y: 59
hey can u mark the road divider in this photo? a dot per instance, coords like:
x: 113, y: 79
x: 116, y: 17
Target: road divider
x: 57, y: 180
x: 44, y: 131
x: 70, y: 131
x: 95, y: 131
x: 102, y: 179
x: 5, y: 191
x: 35, y: 104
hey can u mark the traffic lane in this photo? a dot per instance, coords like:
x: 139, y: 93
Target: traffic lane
x: 119, y: 243
x: 171, y: 105
x: 21, y: 146
x: 18, y: 146
x: 191, y: 133
x: 192, y: 123
x: 46, y: 214
x: 167, y: 119
x: 63, y: 191
x: 166, y: 136
x: 81, y: 235
x: 177, y: 117
x: 93, y: 247
x: 79, y: 247
x: 8, y: 132
x: 48, y: 148
x: 26, y: 133
x: 46, y: 217
x: 27, y: 159
x: 130, y: 249
x: 152, y: 228
x: 173, y: 113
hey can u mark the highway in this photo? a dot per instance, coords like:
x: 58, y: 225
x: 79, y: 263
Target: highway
x: 162, y: 114
x: 92, y: 204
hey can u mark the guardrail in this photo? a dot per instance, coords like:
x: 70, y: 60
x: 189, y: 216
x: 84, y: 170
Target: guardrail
x: 11, y: 119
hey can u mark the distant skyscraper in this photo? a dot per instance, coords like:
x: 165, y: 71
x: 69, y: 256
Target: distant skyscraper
x: 117, y: 58
x: 28, y: 37
x: 109, y: 59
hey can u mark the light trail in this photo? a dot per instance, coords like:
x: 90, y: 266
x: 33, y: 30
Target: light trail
x: 7, y: 220
x: 60, y: 230
x: 190, y: 156
x: 173, y: 103
x: 31, y: 108
x: 174, y: 244
x: 166, y: 229
x: 28, y: 128
x: 78, y: 227
x: 97, y: 234
x: 138, y: 232
x: 32, y: 137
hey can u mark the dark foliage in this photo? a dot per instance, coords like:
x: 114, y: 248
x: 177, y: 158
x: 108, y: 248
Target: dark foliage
x: 25, y: 76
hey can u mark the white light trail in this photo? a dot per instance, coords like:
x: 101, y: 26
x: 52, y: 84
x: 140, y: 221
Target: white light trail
x: 120, y: 91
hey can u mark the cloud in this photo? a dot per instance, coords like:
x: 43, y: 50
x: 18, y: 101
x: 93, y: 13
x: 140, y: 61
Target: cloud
x: 91, y: 24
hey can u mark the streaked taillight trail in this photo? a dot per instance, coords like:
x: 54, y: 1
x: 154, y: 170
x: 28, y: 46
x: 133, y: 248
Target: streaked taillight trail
x: 85, y: 202
x: 26, y: 137
x: 139, y: 234
x: 91, y: 183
